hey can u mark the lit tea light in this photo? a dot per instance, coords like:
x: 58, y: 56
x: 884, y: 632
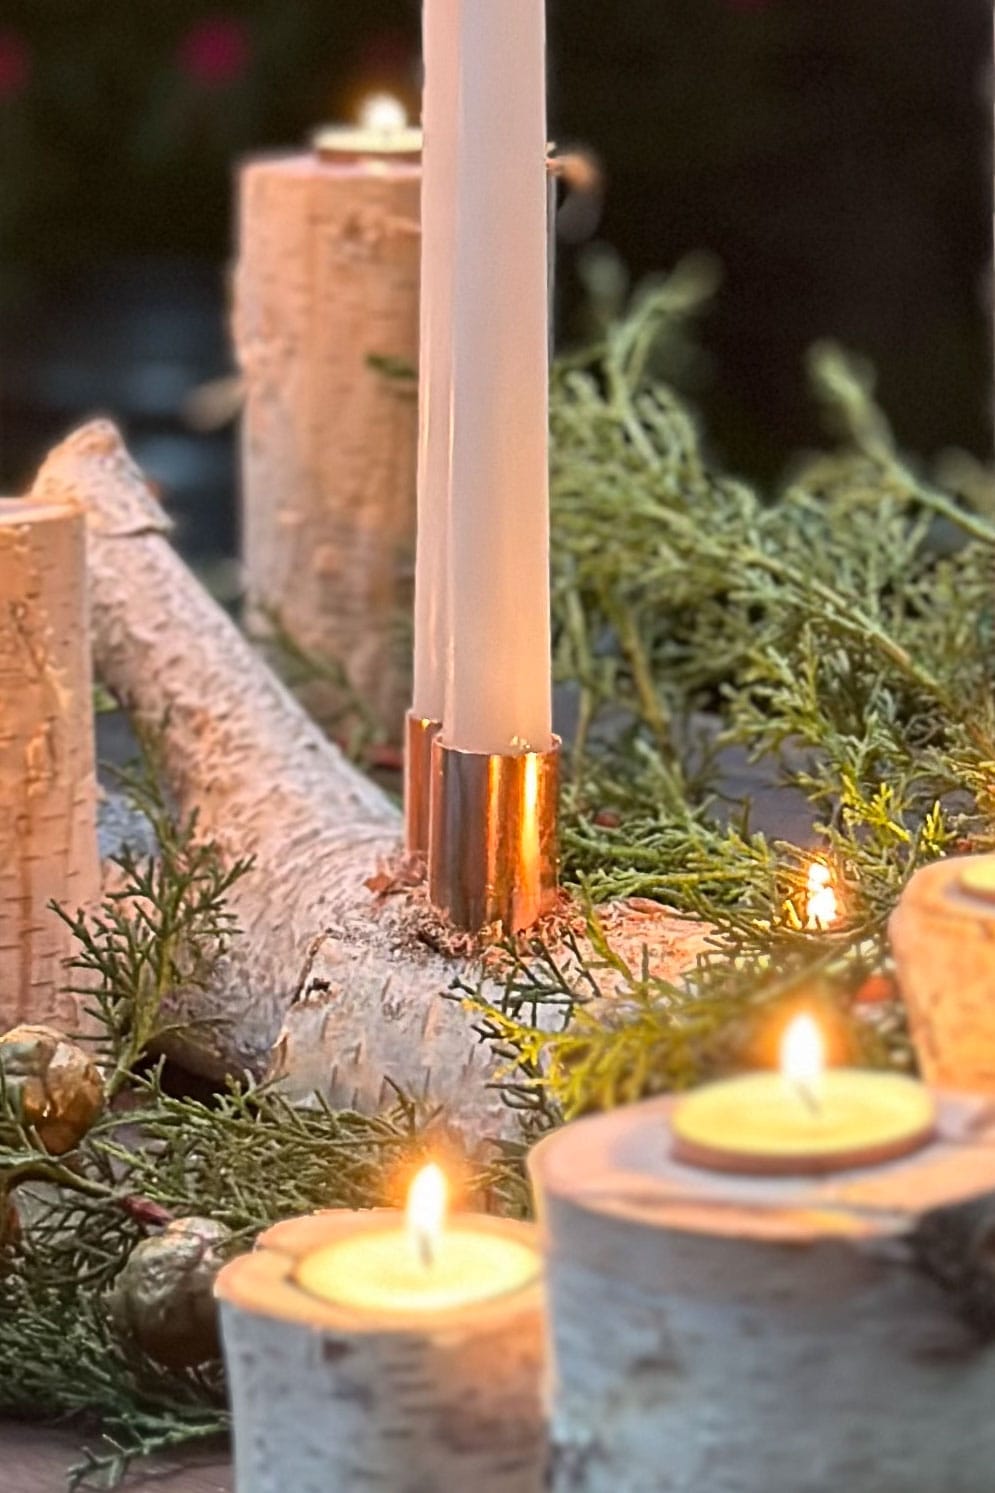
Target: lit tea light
x: 382, y: 132
x: 419, y: 1319
x: 805, y: 1117
x: 822, y: 905
x: 421, y: 1264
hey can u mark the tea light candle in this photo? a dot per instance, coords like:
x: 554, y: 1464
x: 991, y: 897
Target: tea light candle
x: 382, y: 132
x: 393, y: 1353
x: 803, y: 1118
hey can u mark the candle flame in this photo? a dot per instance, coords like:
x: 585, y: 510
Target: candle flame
x: 383, y: 113
x: 803, y: 1052
x: 426, y: 1211
x: 823, y: 903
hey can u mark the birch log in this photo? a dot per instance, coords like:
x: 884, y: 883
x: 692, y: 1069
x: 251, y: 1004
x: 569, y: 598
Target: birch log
x: 943, y: 939
x: 327, y: 282
x: 323, y: 1398
x: 48, y: 834
x: 747, y: 1335
x: 336, y: 990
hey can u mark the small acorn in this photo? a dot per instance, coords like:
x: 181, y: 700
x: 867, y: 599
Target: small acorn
x: 163, y: 1299
x: 54, y: 1085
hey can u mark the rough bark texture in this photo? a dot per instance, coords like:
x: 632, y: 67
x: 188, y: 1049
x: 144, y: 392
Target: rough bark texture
x: 943, y: 941
x: 327, y: 1399
x: 48, y: 830
x: 328, y: 279
x: 344, y: 984
x: 747, y: 1335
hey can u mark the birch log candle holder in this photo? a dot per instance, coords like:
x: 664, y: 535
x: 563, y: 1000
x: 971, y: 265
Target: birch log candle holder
x: 326, y: 327
x: 943, y: 939
x: 48, y: 833
x: 352, y: 1393
x: 768, y: 1334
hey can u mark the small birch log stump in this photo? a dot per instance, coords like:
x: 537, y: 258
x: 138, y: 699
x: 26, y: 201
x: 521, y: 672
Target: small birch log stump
x: 324, y: 1398
x: 333, y: 990
x: 327, y: 281
x: 747, y: 1335
x: 943, y: 940
x: 48, y: 829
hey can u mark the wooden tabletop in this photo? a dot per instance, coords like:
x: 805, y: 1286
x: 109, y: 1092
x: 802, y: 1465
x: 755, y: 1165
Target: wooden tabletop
x: 36, y: 1459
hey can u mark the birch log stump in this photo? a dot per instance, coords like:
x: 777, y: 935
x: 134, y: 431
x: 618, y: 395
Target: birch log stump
x: 328, y: 1399
x: 334, y: 990
x: 943, y: 939
x: 326, y: 307
x: 744, y: 1335
x: 48, y: 833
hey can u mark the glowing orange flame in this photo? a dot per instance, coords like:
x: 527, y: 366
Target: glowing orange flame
x: 383, y: 114
x: 426, y: 1211
x: 803, y: 1052
x: 823, y: 903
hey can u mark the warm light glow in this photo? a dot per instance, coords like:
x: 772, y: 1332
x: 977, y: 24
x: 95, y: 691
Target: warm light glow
x: 426, y: 1211
x: 383, y: 114
x: 803, y: 1052
x: 823, y: 904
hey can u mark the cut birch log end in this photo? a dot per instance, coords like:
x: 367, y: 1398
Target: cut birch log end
x: 333, y: 984
x: 48, y: 826
x: 775, y: 1335
x: 943, y: 939
x: 323, y: 1397
x: 326, y: 309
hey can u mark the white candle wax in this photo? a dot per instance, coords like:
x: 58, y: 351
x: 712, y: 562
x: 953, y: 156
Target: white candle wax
x: 498, y: 690
x: 439, y: 111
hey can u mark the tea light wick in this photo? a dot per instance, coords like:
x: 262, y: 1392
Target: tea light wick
x: 803, y: 1061
x: 426, y: 1213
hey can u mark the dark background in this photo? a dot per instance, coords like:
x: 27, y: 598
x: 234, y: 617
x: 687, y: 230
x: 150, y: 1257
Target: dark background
x: 834, y: 154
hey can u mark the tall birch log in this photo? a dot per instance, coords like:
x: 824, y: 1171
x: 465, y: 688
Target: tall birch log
x: 48, y: 833
x: 791, y: 1335
x: 326, y: 305
x: 334, y: 990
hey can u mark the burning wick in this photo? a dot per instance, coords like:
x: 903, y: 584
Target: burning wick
x: 426, y: 1212
x: 803, y: 1060
x: 383, y: 114
x: 823, y: 904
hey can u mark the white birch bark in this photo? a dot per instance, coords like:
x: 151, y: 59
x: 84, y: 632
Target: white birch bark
x: 326, y: 1398
x: 943, y: 940
x: 48, y: 834
x: 327, y: 280
x: 747, y: 1335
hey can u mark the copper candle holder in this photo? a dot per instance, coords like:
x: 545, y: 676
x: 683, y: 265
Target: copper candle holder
x: 419, y: 734
x: 493, y: 836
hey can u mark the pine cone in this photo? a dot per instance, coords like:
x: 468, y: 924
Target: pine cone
x: 54, y: 1085
x: 163, y: 1299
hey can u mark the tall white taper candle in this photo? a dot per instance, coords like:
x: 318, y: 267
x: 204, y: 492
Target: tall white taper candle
x: 441, y: 33
x: 498, y: 691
